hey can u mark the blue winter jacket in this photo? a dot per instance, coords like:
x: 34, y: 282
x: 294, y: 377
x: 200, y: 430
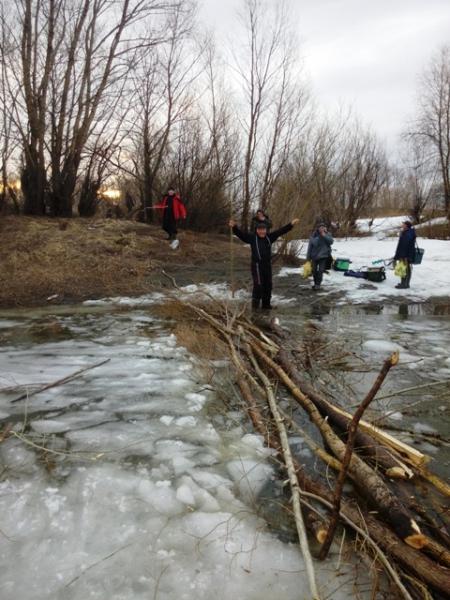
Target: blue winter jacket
x: 406, y: 245
x: 319, y: 246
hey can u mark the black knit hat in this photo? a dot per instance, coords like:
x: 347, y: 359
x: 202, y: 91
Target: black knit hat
x: 261, y: 225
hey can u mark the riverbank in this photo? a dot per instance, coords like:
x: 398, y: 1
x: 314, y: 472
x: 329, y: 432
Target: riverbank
x: 60, y: 261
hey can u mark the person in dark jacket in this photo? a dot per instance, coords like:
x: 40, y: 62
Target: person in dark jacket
x: 173, y: 210
x: 405, y: 251
x: 261, y: 262
x: 261, y: 216
x: 319, y: 253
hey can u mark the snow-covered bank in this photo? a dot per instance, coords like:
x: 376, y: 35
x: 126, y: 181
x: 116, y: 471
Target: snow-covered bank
x: 380, y: 224
x: 430, y: 279
x: 389, y: 225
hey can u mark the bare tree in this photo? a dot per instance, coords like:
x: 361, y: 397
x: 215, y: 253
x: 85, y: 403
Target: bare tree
x: 164, y: 81
x: 365, y: 172
x: 420, y: 177
x: 69, y: 60
x: 205, y: 158
x: 274, y: 96
x: 432, y: 125
x: 8, y: 137
x: 336, y: 175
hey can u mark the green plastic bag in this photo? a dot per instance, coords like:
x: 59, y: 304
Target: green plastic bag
x: 400, y: 269
x: 307, y: 269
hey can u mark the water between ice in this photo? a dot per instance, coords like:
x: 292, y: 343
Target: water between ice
x: 142, y: 495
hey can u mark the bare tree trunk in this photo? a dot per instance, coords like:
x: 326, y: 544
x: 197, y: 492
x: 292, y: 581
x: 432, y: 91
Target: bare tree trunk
x: 274, y: 100
x: 432, y: 126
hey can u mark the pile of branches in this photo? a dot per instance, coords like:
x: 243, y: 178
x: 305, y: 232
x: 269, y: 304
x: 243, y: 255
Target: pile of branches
x: 409, y: 541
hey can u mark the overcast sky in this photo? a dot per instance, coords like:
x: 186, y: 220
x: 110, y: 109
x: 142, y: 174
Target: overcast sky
x: 367, y: 53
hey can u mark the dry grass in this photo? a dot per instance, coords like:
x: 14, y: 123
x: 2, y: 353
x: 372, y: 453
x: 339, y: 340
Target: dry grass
x: 195, y: 334
x: 201, y: 341
x: 77, y: 259
x: 435, y: 232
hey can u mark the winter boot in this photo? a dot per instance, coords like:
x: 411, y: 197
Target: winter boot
x: 408, y: 276
x: 403, y: 284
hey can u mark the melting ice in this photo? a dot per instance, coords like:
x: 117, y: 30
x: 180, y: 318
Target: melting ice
x: 141, y: 496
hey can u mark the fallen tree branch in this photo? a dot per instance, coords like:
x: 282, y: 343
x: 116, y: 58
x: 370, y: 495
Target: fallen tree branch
x: 414, y: 388
x: 369, y: 482
x: 408, y: 453
x: 352, y: 429
x: 411, y: 560
x: 425, y: 569
x: 378, y: 551
x: 60, y: 381
x: 293, y: 481
x: 364, y: 442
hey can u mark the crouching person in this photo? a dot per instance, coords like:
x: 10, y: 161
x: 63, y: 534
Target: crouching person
x: 261, y: 262
x: 319, y: 253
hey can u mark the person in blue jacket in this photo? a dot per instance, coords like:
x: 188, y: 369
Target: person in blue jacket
x: 261, y: 263
x: 405, y: 251
x: 319, y: 253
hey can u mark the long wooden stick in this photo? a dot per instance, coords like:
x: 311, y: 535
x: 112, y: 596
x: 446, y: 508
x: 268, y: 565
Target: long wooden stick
x: 352, y: 429
x: 414, y: 388
x: 383, y: 457
x: 408, y: 453
x: 293, y: 481
x: 60, y: 381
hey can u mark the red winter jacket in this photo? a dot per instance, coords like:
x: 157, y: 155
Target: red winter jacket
x: 179, y: 209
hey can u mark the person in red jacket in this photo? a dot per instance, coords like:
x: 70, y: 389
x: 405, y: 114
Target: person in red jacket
x: 173, y: 210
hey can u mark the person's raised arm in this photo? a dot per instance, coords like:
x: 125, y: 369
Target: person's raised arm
x: 274, y: 235
x: 242, y: 235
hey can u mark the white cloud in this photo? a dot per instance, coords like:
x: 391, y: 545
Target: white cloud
x: 367, y: 54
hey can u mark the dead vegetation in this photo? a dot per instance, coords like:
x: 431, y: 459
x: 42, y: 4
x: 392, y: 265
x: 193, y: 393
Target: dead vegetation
x: 46, y: 260
x: 192, y: 333
x: 435, y: 231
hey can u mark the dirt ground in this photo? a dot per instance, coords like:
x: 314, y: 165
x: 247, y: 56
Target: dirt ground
x: 46, y: 261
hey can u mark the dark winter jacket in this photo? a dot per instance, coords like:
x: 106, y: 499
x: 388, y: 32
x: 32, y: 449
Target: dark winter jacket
x: 261, y: 246
x: 319, y: 246
x: 406, y: 245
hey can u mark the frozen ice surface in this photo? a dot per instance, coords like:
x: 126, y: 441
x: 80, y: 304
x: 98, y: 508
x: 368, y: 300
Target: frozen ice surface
x: 139, y: 496
x: 381, y: 346
x: 424, y: 428
x: 249, y: 476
